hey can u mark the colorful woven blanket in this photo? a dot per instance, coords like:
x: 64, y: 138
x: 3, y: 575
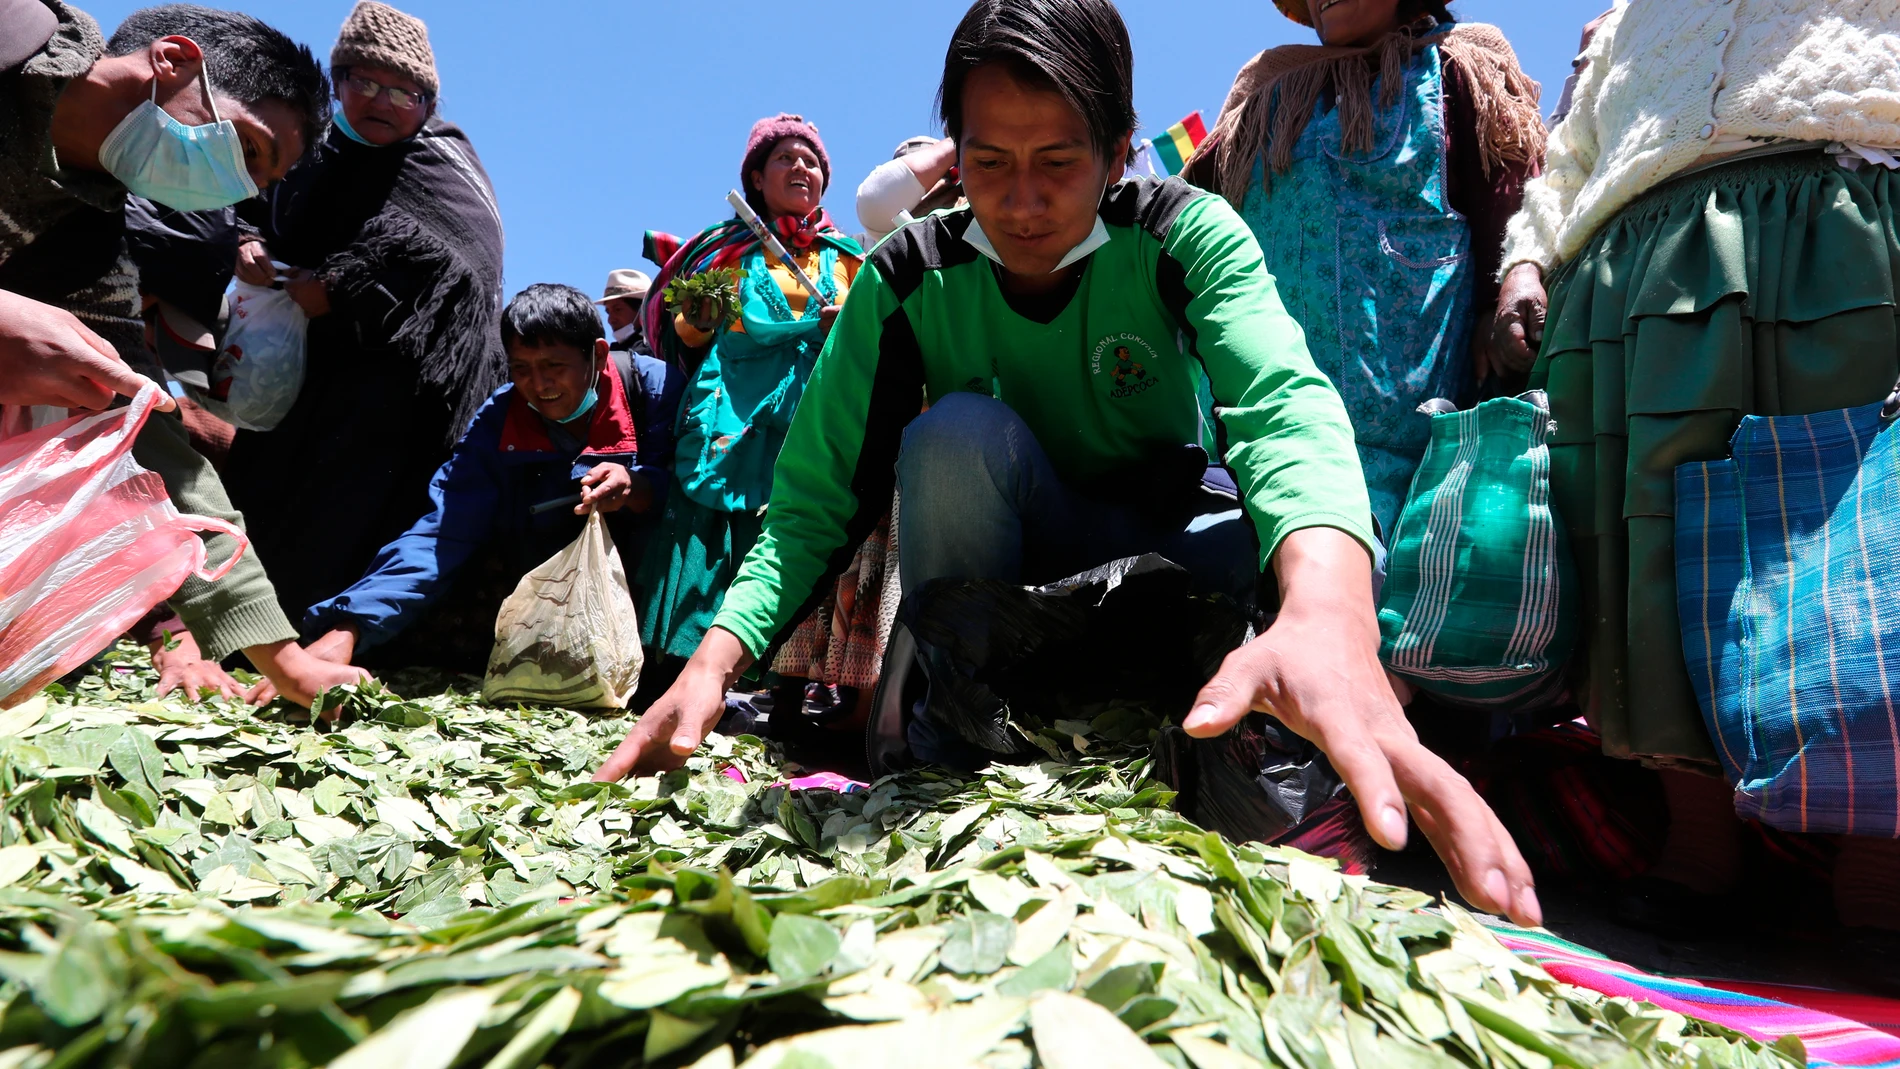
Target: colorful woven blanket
x: 1830, y: 1040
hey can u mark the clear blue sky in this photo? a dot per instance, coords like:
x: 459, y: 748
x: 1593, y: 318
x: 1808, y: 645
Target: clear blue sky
x: 600, y: 119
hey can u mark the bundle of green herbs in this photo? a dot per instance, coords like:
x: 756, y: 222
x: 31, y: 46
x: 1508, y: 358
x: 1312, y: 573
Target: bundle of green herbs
x: 711, y: 295
x: 434, y: 883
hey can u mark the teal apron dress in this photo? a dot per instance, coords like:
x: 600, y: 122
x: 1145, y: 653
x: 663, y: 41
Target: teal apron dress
x: 1375, y: 265
x: 732, y: 423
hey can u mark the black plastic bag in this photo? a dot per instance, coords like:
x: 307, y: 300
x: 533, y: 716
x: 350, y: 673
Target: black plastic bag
x: 1128, y: 630
x: 973, y: 655
x: 1258, y: 783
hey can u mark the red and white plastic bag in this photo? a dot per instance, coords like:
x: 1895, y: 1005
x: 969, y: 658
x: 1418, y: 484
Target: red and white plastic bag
x: 89, y: 543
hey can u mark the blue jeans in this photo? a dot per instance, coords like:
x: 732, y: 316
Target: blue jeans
x: 981, y: 501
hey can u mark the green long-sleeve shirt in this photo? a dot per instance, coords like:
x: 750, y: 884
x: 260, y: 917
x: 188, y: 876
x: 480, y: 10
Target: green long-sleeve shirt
x: 1110, y: 380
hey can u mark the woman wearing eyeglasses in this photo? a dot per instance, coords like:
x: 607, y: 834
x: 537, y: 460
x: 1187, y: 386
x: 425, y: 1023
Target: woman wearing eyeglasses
x: 393, y: 243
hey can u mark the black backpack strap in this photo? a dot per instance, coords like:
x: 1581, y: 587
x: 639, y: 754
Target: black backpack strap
x: 636, y: 397
x: 623, y: 363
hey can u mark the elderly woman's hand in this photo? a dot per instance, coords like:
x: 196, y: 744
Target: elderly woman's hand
x: 253, y: 263
x: 1518, y: 330
x: 309, y: 292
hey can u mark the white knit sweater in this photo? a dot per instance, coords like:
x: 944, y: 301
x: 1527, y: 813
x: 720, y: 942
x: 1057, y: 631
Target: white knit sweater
x: 1666, y: 77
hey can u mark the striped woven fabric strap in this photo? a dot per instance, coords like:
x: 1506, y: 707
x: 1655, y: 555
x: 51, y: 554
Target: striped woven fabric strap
x: 1830, y: 1040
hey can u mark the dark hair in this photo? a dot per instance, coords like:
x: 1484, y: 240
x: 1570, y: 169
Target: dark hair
x: 549, y: 313
x: 1077, y: 48
x: 244, y: 58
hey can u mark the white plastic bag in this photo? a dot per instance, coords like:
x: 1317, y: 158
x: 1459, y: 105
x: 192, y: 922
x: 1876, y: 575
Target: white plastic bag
x: 258, y: 373
x: 568, y: 636
x: 89, y: 542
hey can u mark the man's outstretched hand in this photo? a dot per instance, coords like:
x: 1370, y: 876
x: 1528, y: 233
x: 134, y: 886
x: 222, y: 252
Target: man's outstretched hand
x: 48, y: 357
x: 291, y: 672
x: 1317, y: 671
x: 673, y: 727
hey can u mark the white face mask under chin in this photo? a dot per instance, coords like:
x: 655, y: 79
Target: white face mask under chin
x: 190, y: 168
x: 628, y: 331
x: 1097, y: 238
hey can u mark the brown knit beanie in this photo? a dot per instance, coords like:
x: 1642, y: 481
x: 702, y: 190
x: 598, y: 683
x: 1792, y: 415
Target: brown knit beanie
x: 377, y: 35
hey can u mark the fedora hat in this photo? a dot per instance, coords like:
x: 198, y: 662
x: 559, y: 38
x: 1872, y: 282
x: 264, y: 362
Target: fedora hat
x: 626, y: 284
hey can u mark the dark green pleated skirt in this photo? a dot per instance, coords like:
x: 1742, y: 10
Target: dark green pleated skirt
x: 1765, y: 286
x: 691, y: 559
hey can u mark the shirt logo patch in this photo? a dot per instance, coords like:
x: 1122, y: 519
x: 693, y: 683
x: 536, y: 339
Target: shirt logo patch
x: 1129, y: 361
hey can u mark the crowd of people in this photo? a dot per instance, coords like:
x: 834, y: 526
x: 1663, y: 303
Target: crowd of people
x: 1027, y: 362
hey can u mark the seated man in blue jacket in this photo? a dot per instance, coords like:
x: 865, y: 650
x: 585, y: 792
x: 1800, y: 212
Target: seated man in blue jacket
x: 577, y: 429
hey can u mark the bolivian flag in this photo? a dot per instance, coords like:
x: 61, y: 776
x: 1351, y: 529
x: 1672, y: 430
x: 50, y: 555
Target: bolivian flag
x: 1174, y: 148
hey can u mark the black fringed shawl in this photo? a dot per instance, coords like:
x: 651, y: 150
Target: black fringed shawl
x: 408, y: 238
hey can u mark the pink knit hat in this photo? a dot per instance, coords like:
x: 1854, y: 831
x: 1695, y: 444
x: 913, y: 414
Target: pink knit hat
x: 767, y: 133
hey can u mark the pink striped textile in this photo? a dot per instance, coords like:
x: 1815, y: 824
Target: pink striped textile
x: 1830, y: 1040
x: 89, y: 542
x: 818, y: 781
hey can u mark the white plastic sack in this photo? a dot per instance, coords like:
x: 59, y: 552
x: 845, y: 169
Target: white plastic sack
x: 568, y: 635
x: 258, y: 373
x: 89, y: 542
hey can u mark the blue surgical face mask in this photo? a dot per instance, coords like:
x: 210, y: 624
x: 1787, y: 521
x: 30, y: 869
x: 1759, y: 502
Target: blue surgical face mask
x: 190, y: 168
x: 587, y: 403
x: 349, y: 131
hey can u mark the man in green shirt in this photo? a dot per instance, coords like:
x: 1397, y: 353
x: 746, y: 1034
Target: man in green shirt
x: 1058, y: 328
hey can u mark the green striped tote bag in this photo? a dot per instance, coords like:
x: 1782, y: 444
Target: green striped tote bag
x: 1479, y: 601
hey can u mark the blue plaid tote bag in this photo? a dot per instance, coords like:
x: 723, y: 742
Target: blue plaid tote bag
x: 1788, y: 586
x: 1478, y: 605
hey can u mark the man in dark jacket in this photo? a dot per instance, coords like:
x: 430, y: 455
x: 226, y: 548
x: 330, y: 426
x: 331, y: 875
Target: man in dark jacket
x: 194, y: 109
x: 623, y: 300
x: 576, y: 430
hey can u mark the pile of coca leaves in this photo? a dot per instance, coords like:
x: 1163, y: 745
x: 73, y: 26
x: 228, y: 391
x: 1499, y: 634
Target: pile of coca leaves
x: 431, y: 883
